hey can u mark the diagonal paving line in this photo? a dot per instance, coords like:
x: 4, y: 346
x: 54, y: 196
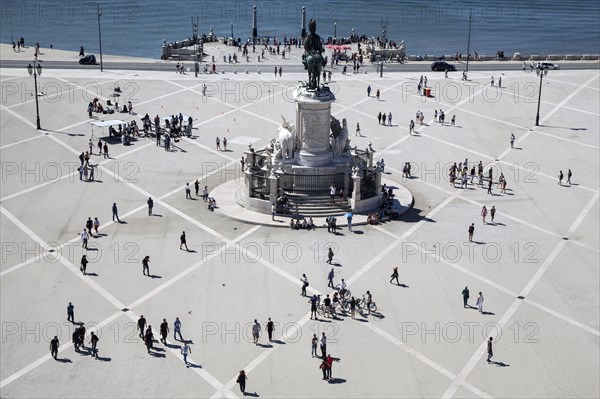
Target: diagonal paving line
x: 472, y: 362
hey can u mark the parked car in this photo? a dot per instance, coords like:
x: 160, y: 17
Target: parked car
x: 547, y: 65
x: 442, y: 66
x: 89, y: 59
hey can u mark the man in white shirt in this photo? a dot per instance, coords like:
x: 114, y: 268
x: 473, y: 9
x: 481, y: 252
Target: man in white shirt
x: 185, y: 349
x: 84, y: 239
x: 256, y: 331
x: 332, y: 192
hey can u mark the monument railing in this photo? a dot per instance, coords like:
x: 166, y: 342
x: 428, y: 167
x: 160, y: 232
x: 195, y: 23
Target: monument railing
x: 312, y: 184
x: 361, y: 159
x: 368, y: 187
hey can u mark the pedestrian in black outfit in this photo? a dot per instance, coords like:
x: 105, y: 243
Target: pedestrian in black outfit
x: 76, y: 341
x: 141, y: 325
x: 71, y: 313
x: 84, y: 263
x: 149, y: 338
x: 94, y: 341
x: 183, y: 241
x: 54, y: 344
x: 471, y: 231
x: 164, y: 330
x: 197, y: 187
x: 81, y: 333
x: 242, y: 381
x: 465, y: 295
x: 270, y: 329
x: 115, y: 212
x: 395, y: 276
x: 329, y: 255
x: 146, y: 266
x: 150, y: 205
x: 88, y: 225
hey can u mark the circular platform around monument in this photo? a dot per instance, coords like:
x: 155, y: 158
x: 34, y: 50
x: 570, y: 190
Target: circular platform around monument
x: 225, y: 195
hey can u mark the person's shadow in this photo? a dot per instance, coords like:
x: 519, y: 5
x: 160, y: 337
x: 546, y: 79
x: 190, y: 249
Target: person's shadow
x: 64, y: 360
x: 500, y: 364
x: 253, y: 394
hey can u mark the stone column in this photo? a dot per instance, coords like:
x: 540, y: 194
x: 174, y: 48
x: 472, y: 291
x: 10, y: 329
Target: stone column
x: 313, y: 116
x: 356, y: 193
x: 272, y: 188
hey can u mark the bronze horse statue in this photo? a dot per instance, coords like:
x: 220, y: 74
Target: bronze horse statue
x: 312, y: 58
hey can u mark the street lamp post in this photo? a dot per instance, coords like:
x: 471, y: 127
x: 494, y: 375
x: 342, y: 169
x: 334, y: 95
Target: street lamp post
x: 541, y: 72
x: 335, y: 30
x: 35, y: 70
x: 100, y: 36
x: 232, y: 31
x: 469, y: 39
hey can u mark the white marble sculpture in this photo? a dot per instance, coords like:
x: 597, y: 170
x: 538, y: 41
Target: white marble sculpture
x: 286, y: 138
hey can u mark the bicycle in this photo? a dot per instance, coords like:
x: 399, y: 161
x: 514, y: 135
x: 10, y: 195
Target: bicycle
x: 372, y: 305
x: 347, y: 294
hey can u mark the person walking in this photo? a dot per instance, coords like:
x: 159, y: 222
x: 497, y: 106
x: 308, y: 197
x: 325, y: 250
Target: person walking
x: 270, y: 329
x: 349, y: 220
x: 379, y: 116
x: 395, y: 276
x: 330, y: 277
x: 358, y: 130
x: 329, y: 362
x: 479, y: 302
x: 96, y: 225
x: 465, y: 295
x: 490, y: 350
x: 146, y: 266
x: 323, y: 367
x: 377, y: 94
x: 273, y: 211
x: 177, y: 329
x: 84, y: 239
x: 115, y: 212
x: 149, y: 339
x: 569, y: 175
x: 105, y: 148
x: 141, y: 325
x: 54, y: 344
x: 411, y: 127
x: 484, y: 213
x: 314, y: 342
x: 218, y: 142
x: 256, y: 331
x: 185, y: 350
x: 352, y: 307
x: 471, y: 231
x: 493, y: 213
x: 314, y: 300
x: 150, y: 203
x: 369, y: 91
x: 225, y: 144
x: 389, y: 119
x: 183, y: 241
x: 453, y: 121
x: 94, y: 341
x: 490, y: 183
x: 196, y: 187
x: 188, y: 191
x: 89, y: 224
x: 383, y: 118
x: 84, y: 263
x: 330, y: 255
x: 323, y: 344
x: 241, y: 379
x: 164, y: 331
x: 560, y: 178
x: 304, y: 280
x: 71, y: 313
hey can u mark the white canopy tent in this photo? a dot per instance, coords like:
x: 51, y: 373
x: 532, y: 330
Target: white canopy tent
x: 103, y: 124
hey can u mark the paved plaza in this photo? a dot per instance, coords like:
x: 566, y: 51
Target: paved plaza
x: 536, y: 265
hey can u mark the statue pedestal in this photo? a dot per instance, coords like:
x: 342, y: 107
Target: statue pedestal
x: 313, y: 115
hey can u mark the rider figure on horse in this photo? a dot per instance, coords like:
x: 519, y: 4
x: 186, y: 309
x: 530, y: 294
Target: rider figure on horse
x: 312, y: 58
